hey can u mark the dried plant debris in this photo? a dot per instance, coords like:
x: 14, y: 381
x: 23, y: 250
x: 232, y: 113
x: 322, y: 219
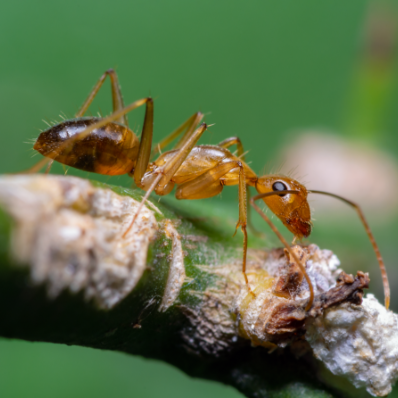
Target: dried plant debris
x: 71, y: 236
x: 354, y: 338
x: 275, y: 315
x: 359, y: 342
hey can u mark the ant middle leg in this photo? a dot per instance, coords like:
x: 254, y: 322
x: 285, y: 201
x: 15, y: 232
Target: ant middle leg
x: 211, y: 184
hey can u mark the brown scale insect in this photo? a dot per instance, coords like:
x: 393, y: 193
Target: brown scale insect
x: 107, y: 146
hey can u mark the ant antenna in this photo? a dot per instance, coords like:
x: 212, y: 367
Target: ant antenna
x: 372, y: 241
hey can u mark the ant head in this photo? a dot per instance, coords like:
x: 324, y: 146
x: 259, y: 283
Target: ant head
x: 291, y: 208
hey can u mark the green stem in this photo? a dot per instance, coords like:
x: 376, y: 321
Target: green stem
x: 135, y: 325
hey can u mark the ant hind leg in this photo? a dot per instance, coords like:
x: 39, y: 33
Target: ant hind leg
x: 189, y: 126
x: 232, y: 141
x: 118, y: 108
x: 117, y: 99
x: 101, y: 123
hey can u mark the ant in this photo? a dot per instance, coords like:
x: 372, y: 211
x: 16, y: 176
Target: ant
x: 107, y: 146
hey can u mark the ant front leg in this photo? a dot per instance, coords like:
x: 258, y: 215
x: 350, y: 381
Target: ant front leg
x: 283, y: 240
x: 240, y: 153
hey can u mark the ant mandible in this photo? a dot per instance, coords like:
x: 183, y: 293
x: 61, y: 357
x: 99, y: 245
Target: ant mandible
x: 107, y: 146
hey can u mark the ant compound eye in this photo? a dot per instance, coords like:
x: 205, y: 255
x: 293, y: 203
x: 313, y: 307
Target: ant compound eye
x: 279, y: 186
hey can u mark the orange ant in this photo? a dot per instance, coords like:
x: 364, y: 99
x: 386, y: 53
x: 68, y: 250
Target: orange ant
x: 107, y: 146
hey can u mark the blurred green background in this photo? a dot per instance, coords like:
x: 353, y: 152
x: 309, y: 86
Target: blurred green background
x: 298, y: 81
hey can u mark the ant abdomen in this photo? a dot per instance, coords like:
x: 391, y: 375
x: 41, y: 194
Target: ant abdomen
x: 111, y: 149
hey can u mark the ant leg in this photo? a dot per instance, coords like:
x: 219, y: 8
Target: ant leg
x: 249, y: 215
x: 117, y: 99
x: 165, y: 173
x: 232, y: 141
x: 243, y: 221
x: 210, y: 184
x: 48, y: 168
x: 101, y: 123
x: 144, y: 151
x: 226, y: 144
x: 361, y: 215
x: 189, y: 125
x: 283, y: 240
x: 171, y: 167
